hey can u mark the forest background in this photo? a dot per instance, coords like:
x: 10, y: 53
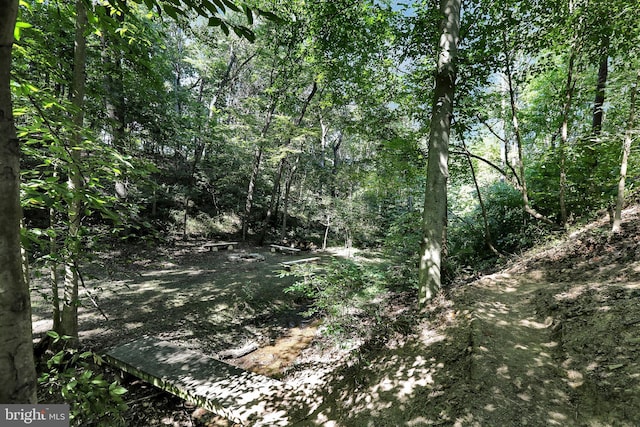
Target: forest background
x: 310, y: 122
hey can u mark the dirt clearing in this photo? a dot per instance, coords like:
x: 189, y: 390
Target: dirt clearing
x: 553, y: 339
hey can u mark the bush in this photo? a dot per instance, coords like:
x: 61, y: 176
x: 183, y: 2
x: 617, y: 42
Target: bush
x: 71, y: 377
x: 347, y: 295
x: 512, y: 230
x: 402, y: 248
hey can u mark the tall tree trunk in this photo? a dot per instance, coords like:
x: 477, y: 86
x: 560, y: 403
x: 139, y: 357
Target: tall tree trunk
x: 435, y: 201
x: 69, y: 320
x: 54, y: 264
x: 257, y: 158
x: 564, y: 138
x: 626, y: 150
x: 17, y: 369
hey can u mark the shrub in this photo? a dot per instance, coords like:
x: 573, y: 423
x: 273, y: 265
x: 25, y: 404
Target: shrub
x: 71, y: 377
x: 347, y: 295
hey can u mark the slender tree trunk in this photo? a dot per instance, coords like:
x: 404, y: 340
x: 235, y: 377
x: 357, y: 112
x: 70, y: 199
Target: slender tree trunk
x: 257, y: 158
x: 285, y: 201
x: 564, y: 138
x: 626, y: 150
x: 435, y: 201
x: 273, y: 202
x: 69, y: 324
x: 325, y: 238
x: 485, y: 220
x: 17, y: 368
x: 54, y: 264
x: 598, y: 111
x: 516, y: 132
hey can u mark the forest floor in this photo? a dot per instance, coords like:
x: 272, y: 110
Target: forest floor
x: 552, y: 339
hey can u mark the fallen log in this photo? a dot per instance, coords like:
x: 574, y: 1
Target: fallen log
x: 236, y: 353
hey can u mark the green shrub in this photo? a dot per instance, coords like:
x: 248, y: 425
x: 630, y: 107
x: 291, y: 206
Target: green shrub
x: 347, y: 295
x: 71, y: 377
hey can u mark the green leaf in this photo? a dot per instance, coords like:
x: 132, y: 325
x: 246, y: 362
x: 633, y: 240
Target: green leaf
x: 215, y: 22
x: 224, y: 28
x: 53, y: 334
x: 18, y: 28
x: 116, y: 389
x: 249, y: 13
x: 171, y: 11
x: 270, y: 16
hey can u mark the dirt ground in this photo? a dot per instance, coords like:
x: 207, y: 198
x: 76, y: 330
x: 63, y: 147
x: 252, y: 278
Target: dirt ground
x: 552, y: 339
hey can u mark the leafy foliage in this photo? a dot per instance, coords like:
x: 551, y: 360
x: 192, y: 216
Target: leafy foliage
x: 343, y: 293
x: 72, y: 377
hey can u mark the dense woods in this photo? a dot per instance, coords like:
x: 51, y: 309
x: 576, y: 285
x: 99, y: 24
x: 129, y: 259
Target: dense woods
x: 446, y: 136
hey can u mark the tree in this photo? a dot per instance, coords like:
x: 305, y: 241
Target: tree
x: 435, y: 202
x: 626, y: 150
x: 17, y: 369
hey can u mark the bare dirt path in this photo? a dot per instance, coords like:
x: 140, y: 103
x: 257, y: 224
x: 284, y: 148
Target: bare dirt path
x: 514, y: 372
x: 553, y: 339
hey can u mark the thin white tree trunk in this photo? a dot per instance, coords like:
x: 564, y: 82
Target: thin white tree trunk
x: 626, y: 150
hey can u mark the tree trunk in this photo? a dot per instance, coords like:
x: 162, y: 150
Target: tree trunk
x: 273, y: 203
x: 54, y: 264
x: 257, y: 158
x: 69, y: 320
x: 598, y: 113
x: 435, y: 201
x: 564, y: 138
x: 626, y: 150
x: 285, y: 201
x: 516, y: 132
x: 17, y: 369
x: 485, y: 220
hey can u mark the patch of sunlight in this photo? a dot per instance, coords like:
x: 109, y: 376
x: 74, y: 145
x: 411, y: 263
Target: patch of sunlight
x: 632, y: 285
x: 156, y: 273
x: 503, y: 371
x: 533, y: 324
x: 430, y: 336
x: 524, y: 396
x: 92, y: 333
x: 521, y: 347
x: 420, y: 421
x: 604, y: 308
x: 551, y: 344
x: 536, y: 274
x: 557, y: 416
x: 490, y: 407
x: 509, y: 289
x: 575, y: 378
x: 408, y: 386
x: 420, y: 361
x: 483, y: 348
x: 593, y: 366
x: 195, y: 272
x: 133, y: 325
x: 220, y: 307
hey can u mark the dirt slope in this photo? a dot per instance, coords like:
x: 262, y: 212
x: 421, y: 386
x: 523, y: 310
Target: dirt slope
x: 554, y: 339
